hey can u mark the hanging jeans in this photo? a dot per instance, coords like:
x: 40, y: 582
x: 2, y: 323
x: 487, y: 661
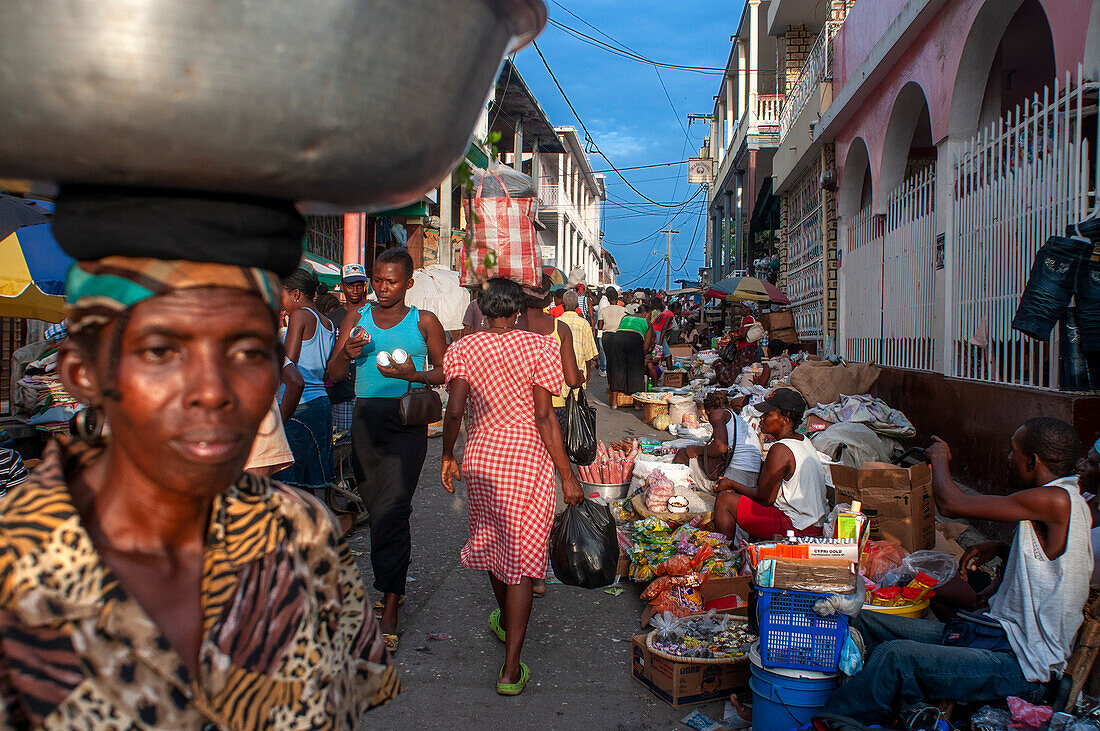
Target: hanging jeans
x: 1063, y: 267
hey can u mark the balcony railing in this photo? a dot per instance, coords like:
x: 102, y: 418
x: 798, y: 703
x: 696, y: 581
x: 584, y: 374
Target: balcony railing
x: 817, y: 69
x: 552, y: 199
x: 768, y: 108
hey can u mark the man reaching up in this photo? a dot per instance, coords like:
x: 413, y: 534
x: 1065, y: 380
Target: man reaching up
x: 1027, y: 636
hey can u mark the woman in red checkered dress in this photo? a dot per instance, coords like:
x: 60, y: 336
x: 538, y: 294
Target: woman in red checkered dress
x: 513, y: 448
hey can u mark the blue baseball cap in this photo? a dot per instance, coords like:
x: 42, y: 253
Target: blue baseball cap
x: 354, y: 273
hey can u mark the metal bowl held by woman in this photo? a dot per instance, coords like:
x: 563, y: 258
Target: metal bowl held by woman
x: 358, y: 103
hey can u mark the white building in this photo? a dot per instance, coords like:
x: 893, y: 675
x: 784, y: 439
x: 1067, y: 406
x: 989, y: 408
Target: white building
x: 571, y: 200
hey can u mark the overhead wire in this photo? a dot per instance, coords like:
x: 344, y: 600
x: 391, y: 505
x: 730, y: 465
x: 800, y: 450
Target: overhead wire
x: 585, y: 38
x: 694, y: 234
x: 642, y: 167
x: 588, y: 135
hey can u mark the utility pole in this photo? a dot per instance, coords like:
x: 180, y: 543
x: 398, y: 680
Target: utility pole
x: 668, y: 257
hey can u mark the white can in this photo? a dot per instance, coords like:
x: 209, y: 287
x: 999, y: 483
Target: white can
x: 384, y: 359
x: 399, y: 356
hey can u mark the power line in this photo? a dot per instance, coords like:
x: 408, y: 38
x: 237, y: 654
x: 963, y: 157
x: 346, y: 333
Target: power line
x: 627, y: 48
x: 645, y: 273
x: 588, y: 135
x: 691, y: 246
x: 585, y: 38
x: 643, y: 167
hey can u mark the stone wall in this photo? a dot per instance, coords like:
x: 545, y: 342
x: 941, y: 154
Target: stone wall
x: 797, y: 42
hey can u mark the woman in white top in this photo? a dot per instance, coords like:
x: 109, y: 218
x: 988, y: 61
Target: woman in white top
x: 733, y: 452
x: 790, y: 494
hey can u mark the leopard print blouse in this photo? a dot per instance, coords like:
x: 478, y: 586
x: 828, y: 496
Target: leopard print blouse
x: 288, y: 639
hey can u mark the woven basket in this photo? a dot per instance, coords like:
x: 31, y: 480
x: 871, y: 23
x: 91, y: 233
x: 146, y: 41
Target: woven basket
x: 694, y: 660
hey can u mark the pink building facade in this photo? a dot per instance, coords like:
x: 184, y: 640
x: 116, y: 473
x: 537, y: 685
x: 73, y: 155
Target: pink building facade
x: 927, y: 151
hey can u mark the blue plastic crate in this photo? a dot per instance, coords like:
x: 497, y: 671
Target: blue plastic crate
x: 793, y: 636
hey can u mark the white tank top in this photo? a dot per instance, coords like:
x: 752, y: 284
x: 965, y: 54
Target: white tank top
x: 1041, y: 602
x: 802, y: 497
x: 745, y: 446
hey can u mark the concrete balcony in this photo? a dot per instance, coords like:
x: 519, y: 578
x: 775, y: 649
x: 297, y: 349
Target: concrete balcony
x: 553, y: 200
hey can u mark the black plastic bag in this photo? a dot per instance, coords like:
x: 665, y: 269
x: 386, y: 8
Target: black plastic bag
x: 580, y: 428
x: 584, y: 550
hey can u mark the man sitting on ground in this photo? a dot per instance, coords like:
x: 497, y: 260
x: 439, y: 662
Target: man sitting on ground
x: 1038, y: 606
x: 790, y: 492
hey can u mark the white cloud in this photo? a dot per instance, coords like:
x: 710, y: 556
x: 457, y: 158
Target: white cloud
x: 620, y: 146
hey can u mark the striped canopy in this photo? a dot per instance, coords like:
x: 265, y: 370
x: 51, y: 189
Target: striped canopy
x: 740, y: 289
x: 328, y: 272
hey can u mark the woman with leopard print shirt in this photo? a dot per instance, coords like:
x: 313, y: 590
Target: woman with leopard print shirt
x: 145, y: 581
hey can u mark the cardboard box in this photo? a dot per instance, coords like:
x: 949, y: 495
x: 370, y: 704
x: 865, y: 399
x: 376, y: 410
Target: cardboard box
x: 685, y: 683
x: 718, y: 588
x: 897, y: 501
x: 622, y: 570
x: 675, y: 379
x: 783, y: 320
x: 681, y: 351
x: 786, y: 335
x: 826, y: 575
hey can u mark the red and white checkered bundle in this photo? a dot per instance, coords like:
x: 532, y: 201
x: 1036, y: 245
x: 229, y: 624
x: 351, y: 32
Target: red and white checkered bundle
x: 612, y: 466
x: 503, y: 241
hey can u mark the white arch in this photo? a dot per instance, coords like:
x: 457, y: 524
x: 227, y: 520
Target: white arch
x: 899, y: 137
x: 857, y: 164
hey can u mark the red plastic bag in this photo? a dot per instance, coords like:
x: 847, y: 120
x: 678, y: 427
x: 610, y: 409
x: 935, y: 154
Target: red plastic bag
x: 503, y: 242
x: 879, y: 557
x: 1026, y: 715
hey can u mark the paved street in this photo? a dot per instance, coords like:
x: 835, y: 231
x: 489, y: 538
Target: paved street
x: 578, y: 644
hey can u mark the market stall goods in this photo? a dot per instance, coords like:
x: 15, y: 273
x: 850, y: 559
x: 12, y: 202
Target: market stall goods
x: 709, y: 636
x: 613, y: 465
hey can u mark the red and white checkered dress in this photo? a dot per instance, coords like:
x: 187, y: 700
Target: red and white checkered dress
x: 508, y: 472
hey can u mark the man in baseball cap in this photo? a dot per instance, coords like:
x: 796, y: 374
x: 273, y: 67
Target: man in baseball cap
x: 790, y: 492
x: 353, y: 283
x: 785, y: 400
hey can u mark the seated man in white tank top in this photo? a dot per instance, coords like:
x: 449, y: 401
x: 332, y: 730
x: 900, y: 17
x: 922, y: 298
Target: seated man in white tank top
x: 1028, y: 634
x: 790, y: 492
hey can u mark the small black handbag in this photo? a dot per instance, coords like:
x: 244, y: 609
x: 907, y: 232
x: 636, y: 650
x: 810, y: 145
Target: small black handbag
x: 420, y: 407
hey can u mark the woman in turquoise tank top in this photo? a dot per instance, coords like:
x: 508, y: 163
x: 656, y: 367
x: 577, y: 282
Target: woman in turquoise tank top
x: 388, y: 455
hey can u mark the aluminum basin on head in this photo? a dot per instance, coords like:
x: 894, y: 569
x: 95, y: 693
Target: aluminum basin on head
x: 362, y: 104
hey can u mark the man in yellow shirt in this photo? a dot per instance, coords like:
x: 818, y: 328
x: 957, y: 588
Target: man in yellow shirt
x: 584, y: 341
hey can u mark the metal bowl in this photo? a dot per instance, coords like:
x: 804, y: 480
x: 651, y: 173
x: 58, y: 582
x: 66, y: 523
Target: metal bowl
x: 363, y: 104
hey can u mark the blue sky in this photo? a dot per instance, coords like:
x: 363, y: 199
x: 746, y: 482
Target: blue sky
x: 625, y: 109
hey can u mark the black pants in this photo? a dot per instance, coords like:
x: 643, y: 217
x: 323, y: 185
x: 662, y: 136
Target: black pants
x: 388, y: 458
x: 625, y: 361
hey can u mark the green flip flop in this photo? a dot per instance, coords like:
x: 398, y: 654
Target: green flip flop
x: 494, y: 625
x: 517, y: 687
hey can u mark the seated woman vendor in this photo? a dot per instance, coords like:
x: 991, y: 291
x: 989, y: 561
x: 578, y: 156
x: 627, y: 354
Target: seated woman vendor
x: 790, y: 494
x: 733, y: 451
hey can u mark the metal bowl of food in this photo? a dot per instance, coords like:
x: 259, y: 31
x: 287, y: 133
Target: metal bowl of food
x: 363, y: 104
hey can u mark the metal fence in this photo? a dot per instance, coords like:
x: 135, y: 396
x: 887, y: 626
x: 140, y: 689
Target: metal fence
x: 888, y: 283
x: 805, y: 275
x: 1019, y: 181
x: 861, y: 294
x: 909, y: 243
